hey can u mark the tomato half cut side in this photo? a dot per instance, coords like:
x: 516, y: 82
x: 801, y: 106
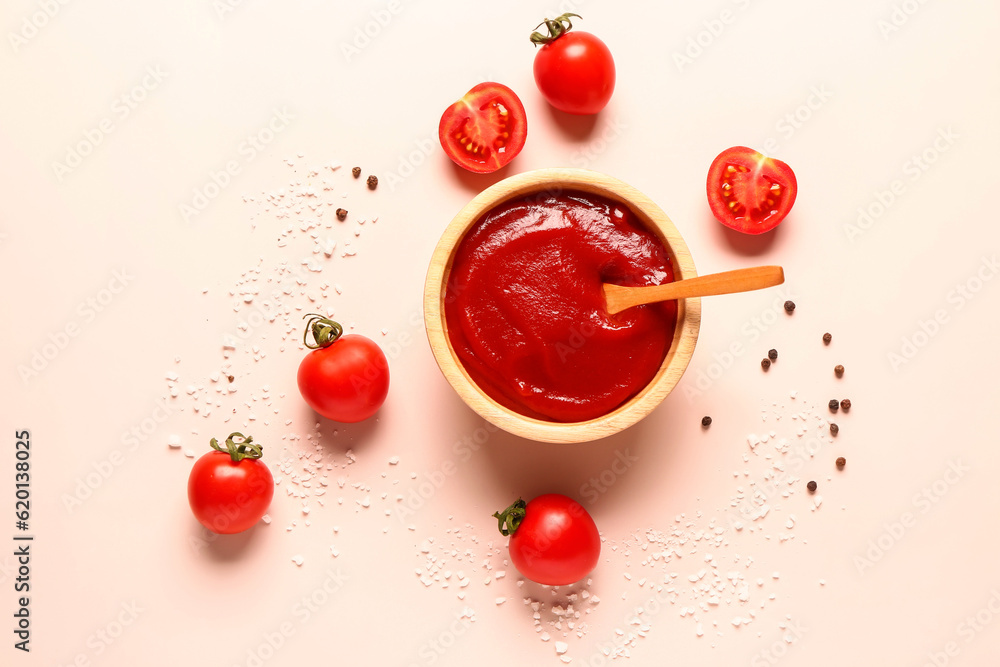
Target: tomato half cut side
x: 750, y: 192
x: 484, y: 130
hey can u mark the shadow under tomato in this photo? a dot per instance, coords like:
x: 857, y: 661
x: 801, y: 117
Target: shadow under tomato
x: 573, y: 126
x: 476, y: 183
x: 748, y: 245
x: 341, y: 436
x: 225, y: 548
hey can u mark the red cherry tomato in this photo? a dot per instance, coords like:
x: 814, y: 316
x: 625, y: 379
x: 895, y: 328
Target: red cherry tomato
x: 574, y: 71
x: 749, y: 192
x: 229, y: 491
x: 554, y: 540
x: 345, y: 378
x: 485, y: 129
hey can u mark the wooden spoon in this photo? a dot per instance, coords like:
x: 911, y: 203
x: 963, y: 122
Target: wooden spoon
x: 620, y: 298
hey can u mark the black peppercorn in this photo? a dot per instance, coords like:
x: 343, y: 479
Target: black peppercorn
x: 356, y: 172
x: 834, y: 429
x: 765, y: 363
x: 341, y: 214
x: 811, y: 486
x: 772, y: 354
x: 845, y: 404
x: 706, y: 421
x: 827, y: 338
x: 372, y: 182
x: 839, y: 370
x: 841, y: 462
x: 789, y: 306
x: 834, y: 404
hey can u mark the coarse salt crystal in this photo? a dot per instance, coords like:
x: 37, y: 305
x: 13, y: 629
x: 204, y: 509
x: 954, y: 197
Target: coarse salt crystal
x: 561, y: 647
x: 174, y: 441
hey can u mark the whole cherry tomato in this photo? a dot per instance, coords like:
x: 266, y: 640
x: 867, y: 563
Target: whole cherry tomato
x: 574, y: 71
x: 553, y: 540
x: 344, y: 378
x: 230, y: 489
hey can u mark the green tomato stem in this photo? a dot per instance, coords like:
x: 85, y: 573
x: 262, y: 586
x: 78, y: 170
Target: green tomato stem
x: 324, y: 330
x: 246, y: 448
x: 512, y: 517
x: 555, y: 27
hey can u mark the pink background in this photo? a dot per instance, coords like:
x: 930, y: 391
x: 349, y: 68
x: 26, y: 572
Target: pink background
x: 854, y: 585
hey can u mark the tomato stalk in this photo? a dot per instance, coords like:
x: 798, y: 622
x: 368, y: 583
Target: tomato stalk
x: 324, y: 330
x: 555, y: 27
x: 512, y: 517
x: 246, y: 448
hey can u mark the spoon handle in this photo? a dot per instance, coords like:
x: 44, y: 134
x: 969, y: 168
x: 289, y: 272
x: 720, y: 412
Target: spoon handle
x: 620, y: 298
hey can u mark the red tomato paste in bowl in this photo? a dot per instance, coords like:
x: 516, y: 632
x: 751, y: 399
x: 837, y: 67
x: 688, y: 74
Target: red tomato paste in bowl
x: 525, y: 307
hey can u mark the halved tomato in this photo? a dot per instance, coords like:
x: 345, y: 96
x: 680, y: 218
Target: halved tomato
x: 485, y: 129
x: 750, y: 192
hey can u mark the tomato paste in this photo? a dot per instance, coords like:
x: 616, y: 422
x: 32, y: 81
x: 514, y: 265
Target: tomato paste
x: 525, y: 306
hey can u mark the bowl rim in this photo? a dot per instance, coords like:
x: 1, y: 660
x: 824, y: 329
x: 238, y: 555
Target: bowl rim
x: 553, y: 181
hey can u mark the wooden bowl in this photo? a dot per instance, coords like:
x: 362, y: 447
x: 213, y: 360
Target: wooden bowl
x: 554, y: 181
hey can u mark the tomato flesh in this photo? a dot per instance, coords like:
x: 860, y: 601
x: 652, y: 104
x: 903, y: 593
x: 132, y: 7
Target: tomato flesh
x: 557, y: 542
x: 484, y: 130
x: 750, y: 192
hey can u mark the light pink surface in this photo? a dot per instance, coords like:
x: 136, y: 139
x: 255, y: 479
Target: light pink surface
x: 882, y: 99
